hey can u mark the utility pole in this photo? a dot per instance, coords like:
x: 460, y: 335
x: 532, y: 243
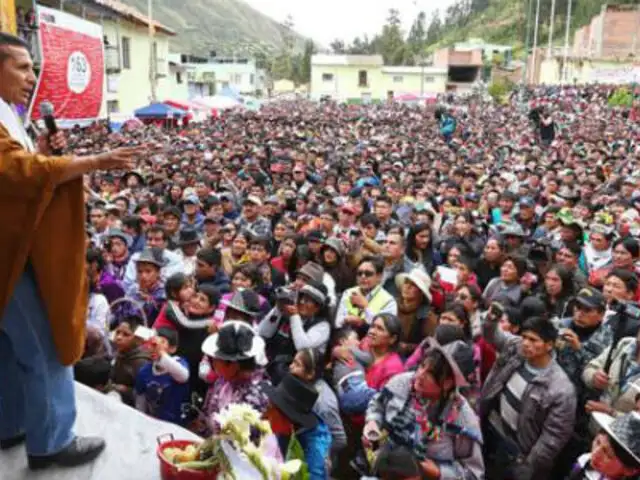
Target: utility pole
x: 635, y: 32
x: 565, y: 62
x: 525, y: 78
x: 551, y: 25
x: 152, y: 53
x: 532, y: 72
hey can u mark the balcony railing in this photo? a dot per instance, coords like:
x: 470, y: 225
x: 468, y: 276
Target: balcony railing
x: 112, y: 59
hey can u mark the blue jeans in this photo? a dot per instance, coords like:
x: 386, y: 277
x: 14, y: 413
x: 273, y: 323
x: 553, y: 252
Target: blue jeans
x: 354, y: 395
x: 37, y: 395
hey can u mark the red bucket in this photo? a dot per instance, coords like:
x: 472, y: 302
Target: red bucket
x: 169, y: 471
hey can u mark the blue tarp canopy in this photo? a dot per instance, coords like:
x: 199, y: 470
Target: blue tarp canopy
x: 159, y: 110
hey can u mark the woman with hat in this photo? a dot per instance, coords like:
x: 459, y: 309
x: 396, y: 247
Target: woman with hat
x: 290, y: 412
x: 298, y: 321
x: 236, y: 355
x: 615, y: 452
x: 424, y: 412
x: 414, y: 310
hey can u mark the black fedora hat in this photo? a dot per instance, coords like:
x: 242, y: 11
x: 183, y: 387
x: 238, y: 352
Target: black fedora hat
x: 188, y: 236
x: 295, y: 399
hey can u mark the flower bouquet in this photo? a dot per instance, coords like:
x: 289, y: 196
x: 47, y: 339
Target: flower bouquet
x: 243, y: 449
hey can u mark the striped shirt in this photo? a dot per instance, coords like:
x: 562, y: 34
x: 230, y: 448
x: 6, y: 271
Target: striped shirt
x: 505, y: 417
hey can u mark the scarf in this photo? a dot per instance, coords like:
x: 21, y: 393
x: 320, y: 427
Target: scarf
x: 432, y: 427
x: 596, y: 259
x: 11, y: 121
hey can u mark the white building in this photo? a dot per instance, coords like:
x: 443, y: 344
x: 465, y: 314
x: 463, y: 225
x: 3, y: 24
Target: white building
x: 240, y: 74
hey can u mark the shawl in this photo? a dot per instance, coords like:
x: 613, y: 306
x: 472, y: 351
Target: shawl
x: 43, y: 223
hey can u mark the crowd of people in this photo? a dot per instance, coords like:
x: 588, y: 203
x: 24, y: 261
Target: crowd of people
x: 414, y: 292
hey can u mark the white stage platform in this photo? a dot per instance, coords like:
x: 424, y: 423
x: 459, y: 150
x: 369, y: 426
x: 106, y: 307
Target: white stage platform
x: 131, y: 444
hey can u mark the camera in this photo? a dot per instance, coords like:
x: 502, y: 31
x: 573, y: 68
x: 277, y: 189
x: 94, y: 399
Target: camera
x: 286, y: 295
x: 630, y: 310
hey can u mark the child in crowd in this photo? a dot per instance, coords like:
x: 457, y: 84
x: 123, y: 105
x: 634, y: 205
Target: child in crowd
x: 397, y: 463
x: 162, y: 386
x: 148, y: 293
x: 190, y: 314
x: 130, y: 357
x: 348, y: 377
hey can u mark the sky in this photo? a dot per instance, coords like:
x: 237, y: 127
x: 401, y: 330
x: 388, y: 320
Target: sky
x: 326, y: 20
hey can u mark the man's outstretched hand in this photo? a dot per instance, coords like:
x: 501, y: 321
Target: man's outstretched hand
x: 123, y: 158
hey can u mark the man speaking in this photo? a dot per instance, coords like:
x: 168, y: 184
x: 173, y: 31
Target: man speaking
x: 43, y: 292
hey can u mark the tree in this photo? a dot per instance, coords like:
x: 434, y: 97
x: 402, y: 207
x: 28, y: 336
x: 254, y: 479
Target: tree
x: 417, y: 35
x: 338, y: 46
x: 434, y: 32
x: 305, y: 62
x: 392, y: 44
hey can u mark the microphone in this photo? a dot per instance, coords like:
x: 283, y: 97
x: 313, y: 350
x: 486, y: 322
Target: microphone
x: 46, y: 112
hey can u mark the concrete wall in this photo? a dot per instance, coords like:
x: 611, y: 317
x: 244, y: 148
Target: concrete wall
x: 611, y: 33
x: 588, y: 71
x: 131, y: 88
x: 345, y: 82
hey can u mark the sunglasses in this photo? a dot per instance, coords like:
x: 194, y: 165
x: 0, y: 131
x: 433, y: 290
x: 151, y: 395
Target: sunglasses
x: 366, y: 273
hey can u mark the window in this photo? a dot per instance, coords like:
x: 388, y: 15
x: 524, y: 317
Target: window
x: 237, y: 78
x: 362, y: 79
x: 252, y: 79
x: 429, y: 79
x: 327, y: 77
x: 178, y: 78
x: 113, y: 106
x: 398, y: 79
x: 126, y: 53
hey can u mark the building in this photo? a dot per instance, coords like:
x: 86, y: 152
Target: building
x: 241, y: 74
x: 463, y: 68
x: 489, y: 50
x: 365, y: 78
x: 613, y: 33
x: 133, y: 59
x: 206, y: 76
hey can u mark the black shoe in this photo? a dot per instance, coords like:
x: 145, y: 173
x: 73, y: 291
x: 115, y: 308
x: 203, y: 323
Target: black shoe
x: 82, y: 450
x: 12, y: 442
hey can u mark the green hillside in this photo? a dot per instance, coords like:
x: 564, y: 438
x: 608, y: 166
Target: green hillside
x: 505, y: 21
x: 223, y: 26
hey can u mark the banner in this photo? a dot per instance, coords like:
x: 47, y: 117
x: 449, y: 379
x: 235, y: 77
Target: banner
x: 72, y: 68
x: 616, y: 75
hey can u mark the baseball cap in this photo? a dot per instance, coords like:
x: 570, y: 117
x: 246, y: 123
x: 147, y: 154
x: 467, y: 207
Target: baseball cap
x: 527, y: 202
x: 591, y: 298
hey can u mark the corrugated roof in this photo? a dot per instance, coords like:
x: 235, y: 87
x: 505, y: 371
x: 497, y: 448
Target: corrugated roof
x: 132, y: 14
x: 367, y: 60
